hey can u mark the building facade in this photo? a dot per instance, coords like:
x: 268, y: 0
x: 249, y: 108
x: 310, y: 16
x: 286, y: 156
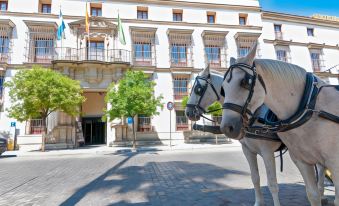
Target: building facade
x: 171, y: 41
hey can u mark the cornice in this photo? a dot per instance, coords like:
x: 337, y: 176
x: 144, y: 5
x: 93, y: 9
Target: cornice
x: 308, y: 45
x: 178, y: 3
x: 7, y: 22
x: 298, y: 19
x: 135, y: 21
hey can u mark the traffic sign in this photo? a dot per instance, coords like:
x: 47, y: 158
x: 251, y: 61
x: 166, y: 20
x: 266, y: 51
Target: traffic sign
x: 170, y: 105
x: 129, y: 120
x: 13, y: 124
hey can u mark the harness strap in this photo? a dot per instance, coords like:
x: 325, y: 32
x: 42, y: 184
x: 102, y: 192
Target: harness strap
x: 236, y: 108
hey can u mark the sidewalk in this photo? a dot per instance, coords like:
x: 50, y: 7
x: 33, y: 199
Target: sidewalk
x: 105, y: 149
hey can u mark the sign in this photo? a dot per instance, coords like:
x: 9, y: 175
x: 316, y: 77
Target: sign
x: 13, y: 124
x: 170, y: 105
x: 129, y: 120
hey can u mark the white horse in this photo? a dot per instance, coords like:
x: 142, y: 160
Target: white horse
x: 251, y: 147
x: 281, y: 86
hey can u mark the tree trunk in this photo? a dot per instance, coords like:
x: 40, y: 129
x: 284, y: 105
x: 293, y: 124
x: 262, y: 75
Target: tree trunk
x: 134, y: 135
x: 44, y: 133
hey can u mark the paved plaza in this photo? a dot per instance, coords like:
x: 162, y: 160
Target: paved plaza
x: 218, y: 176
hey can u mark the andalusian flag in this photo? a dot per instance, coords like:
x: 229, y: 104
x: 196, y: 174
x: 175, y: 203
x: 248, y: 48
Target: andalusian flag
x: 61, y: 27
x: 87, y: 19
x: 121, y: 31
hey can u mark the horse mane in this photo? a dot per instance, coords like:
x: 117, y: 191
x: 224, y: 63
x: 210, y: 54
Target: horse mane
x: 281, y: 71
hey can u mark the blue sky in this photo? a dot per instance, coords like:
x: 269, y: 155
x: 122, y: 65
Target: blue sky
x: 302, y: 7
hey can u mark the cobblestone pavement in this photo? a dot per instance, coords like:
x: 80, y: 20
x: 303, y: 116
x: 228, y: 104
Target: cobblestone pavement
x: 195, y: 177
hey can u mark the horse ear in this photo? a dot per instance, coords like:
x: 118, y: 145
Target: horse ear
x: 232, y: 60
x: 206, y: 71
x: 249, y: 59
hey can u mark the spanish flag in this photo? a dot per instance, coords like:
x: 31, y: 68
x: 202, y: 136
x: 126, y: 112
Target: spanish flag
x: 87, y: 19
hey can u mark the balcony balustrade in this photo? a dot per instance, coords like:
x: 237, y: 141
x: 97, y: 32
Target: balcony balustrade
x: 92, y: 54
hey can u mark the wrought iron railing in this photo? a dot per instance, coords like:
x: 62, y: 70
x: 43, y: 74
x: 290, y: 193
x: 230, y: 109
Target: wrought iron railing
x: 144, y: 61
x: 92, y: 54
x: 182, y: 123
x: 279, y: 35
x: 144, y: 124
x: 36, y: 126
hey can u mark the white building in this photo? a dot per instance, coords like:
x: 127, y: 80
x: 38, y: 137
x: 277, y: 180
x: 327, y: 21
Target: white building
x: 168, y: 39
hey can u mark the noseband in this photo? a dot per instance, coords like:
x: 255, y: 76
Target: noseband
x: 200, y: 91
x: 248, y: 82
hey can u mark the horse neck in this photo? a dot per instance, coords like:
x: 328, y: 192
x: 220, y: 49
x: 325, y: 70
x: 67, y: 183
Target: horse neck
x: 217, y: 81
x: 283, y: 96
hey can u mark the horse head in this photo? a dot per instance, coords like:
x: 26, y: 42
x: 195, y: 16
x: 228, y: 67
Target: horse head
x: 202, y: 95
x: 243, y: 97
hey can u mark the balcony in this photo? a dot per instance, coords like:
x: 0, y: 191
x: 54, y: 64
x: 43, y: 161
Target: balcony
x: 118, y: 56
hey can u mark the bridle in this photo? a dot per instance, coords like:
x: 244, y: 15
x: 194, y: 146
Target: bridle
x: 248, y: 82
x: 200, y: 91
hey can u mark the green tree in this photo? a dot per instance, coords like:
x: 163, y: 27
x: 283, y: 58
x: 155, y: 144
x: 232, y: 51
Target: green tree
x: 215, y: 106
x: 184, y: 101
x: 132, y: 96
x: 37, y: 92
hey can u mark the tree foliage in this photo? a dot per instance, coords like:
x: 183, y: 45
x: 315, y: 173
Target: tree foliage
x: 184, y: 101
x: 215, y: 106
x: 133, y: 95
x: 37, y: 92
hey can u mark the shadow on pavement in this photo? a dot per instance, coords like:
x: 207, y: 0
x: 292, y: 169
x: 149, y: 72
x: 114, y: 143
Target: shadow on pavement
x: 175, y: 183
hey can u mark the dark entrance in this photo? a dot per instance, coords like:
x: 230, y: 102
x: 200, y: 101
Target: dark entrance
x: 94, y: 130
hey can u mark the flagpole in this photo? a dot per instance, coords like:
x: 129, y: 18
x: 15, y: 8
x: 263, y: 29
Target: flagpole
x: 88, y: 38
x: 62, y: 33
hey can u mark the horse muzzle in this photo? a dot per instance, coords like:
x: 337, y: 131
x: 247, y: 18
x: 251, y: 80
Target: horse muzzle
x: 192, y: 114
x: 232, y: 128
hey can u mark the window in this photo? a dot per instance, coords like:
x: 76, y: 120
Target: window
x: 46, y: 8
x: 211, y: 17
x: 144, y: 123
x: 43, y: 50
x: 3, y: 5
x: 281, y: 55
x: 179, y: 55
x: 180, y: 48
x: 36, y: 126
x: 245, y: 43
x: 142, y: 52
x: 142, y: 47
x: 177, y: 16
x: 317, y: 63
x: 96, y: 51
x: 213, y: 55
x: 142, y: 13
x: 181, y: 121
x: 277, y: 27
x: 277, y: 30
x: 242, y: 19
x: 180, y: 87
x: 95, y: 11
x: 4, y: 44
x: 2, y: 80
x: 310, y: 31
